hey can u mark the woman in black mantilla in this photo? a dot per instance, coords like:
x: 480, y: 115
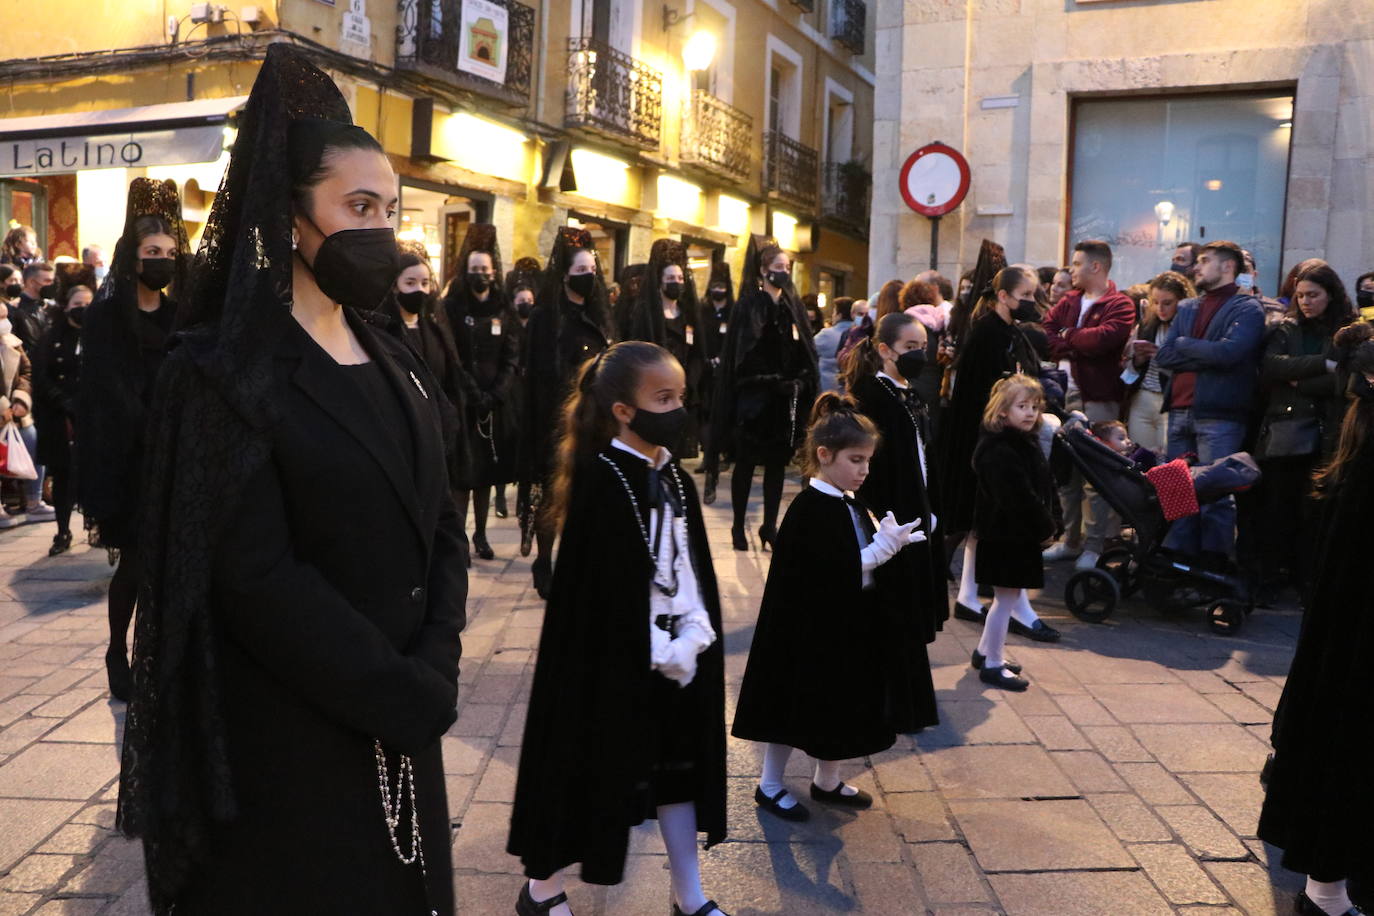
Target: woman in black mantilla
x: 666, y: 313
x: 486, y: 331
x: 296, y: 653
x: 124, y: 339
x: 568, y: 326
x: 765, y: 384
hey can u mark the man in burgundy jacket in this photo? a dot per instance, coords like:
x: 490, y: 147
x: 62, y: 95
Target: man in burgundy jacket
x: 1087, y: 331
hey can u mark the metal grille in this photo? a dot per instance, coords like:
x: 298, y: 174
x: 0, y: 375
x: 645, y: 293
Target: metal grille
x: 718, y: 136
x: 612, y: 93
x: 846, y: 194
x: 790, y: 169
x: 428, y: 40
x: 847, y: 23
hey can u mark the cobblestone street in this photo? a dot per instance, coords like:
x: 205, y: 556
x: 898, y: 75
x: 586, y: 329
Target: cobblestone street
x: 1124, y: 782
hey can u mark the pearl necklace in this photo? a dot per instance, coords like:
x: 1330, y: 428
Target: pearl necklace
x: 669, y: 590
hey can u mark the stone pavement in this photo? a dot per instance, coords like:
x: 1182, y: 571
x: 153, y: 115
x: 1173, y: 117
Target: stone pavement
x: 1123, y: 782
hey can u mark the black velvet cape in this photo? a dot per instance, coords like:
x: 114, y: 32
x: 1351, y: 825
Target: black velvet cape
x: 590, y: 736
x: 834, y: 669
x: 895, y: 484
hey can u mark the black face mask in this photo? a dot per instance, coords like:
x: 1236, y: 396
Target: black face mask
x: 13, y: 290
x: 664, y: 429
x: 156, y: 273
x: 479, y: 283
x: 1180, y: 268
x: 779, y: 279
x: 356, y: 267
x: 672, y: 291
x: 1025, y: 310
x: 582, y: 284
x: 910, y: 364
x: 523, y: 309
x: 1364, y: 299
x: 412, y: 301
x: 718, y: 295
x: 76, y: 313
x: 48, y: 292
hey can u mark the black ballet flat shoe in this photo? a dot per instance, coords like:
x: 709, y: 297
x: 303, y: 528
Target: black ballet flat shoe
x: 859, y: 800
x: 708, y: 489
x: 1003, y: 677
x: 796, y: 813
x: 707, y: 908
x: 767, y: 535
x: 740, y: 541
x: 1304, y: 906
x: 979, y: 660
x: 525, y: 905
x: 120, y: 676
x: 61, y: 543
x: 501, y: 509
x: 1040, y: 631
x: 964, y: 612
x: 482, y: 548
x: 543, y: 576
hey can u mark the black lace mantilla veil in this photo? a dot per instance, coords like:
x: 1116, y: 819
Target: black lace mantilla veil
x: 647, y: 319
x: 480, y: 237
x: 566, y: 245
x: 208, y: 436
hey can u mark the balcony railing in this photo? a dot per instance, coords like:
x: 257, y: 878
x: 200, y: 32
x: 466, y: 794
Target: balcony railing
x: 847, y: 23
x: 718, y: 137
x: 845, y: 196
x: 613, y: 94
x: 790, y: 170
x: 428, y: 41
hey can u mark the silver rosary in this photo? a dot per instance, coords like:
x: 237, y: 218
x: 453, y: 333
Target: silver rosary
x: 391, y: 805
x: 669, y: 590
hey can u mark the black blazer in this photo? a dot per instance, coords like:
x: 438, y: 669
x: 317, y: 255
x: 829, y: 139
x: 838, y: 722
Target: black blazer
x: 338, y: 596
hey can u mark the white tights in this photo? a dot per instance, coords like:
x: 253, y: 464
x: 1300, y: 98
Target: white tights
x: 993, y: 645
x: 1330, y: 896
x: 968, y: 586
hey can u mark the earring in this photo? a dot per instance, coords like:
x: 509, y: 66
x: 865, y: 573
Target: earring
x: 295, y: 241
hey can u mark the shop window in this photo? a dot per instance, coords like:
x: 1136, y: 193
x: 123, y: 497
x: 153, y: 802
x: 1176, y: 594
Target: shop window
x: 1151, y: 173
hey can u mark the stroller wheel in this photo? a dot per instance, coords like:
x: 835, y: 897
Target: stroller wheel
x: 1226, y: 618
x: 1117, y: 562
x: 1091, y: 595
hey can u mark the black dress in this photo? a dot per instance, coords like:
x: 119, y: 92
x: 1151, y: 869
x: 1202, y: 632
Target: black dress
x: 1320, y: 798
x: 487, y: 336
x: 56, y: 381
x: 901, y: 483
x: 835, y: 669
x: 558, y: 340
x: 991, y: 350
x: 1015, y: 509
x: 600, y: 719
x: 683, y: 340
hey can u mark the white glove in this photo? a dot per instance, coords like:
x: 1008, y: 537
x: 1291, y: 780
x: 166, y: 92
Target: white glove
x: 888, y: 540
x: 676, y: 659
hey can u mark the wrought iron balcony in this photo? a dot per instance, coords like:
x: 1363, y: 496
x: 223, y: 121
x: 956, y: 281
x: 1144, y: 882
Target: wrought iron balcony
x: 428, y: 40
x: 845, y: 196
x: 790, y: 170
x: 717, y: 136
x: 847, y: 23
x: 613, y: 94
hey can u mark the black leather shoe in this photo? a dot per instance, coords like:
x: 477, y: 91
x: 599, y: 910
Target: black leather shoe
x: 740, y: 541
x: 860, y: 799
x: 501, y: 509
x: 482, y: 548
x: 708, y: 489
x: 61, y: 543
x: 979, y: 660
x: 707, y: 909
x: 1040, y: 632
x: 1304, y: 906
x: 964, y: 612
x: 1003, y: 678
x: 542, y: 576
x: 120, y: 676
x: 767, y: 535
x: 797, y: 812
x: 525, y: 905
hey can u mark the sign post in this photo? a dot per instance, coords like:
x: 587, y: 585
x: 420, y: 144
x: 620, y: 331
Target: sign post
x: 934, y: 181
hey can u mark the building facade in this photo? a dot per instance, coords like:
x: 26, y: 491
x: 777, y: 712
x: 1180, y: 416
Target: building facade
x: 704, y: 120
x: 1144, y: 122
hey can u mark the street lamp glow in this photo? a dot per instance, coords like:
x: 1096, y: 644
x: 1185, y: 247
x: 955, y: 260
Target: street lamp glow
x: 699, y: 51
x: 1164, y: 211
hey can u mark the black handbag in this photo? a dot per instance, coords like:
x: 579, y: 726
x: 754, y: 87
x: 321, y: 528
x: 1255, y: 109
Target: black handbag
x: 1291, y: 437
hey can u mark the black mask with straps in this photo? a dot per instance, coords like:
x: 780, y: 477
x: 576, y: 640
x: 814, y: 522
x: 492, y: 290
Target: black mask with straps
x: 356, y: 267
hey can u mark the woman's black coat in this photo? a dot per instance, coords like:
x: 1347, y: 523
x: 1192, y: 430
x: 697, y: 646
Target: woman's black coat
x: 591, y: 732
x: 559, y: 338
x: 834, y: 669
x: 1320, y: 799
x: 1299, y: 385
x: 895, y: 484
x: 1015, y: 511
x: 337, y: 601
x: 487, y: 335
x: 56, y: 382
x: 992, y: 349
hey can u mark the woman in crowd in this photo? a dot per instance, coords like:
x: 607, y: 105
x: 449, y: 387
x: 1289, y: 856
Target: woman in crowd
x: 124, y: 338
x: 296, y: 659
x: 888, y: 300
x: 715, y: 323
x: 486, y: 331
x: 57, y: 380
x: 767, y: 379
x: 16, y: 402
x: 570, y: 324
x: 20, y: 247
x: 1146, y: 419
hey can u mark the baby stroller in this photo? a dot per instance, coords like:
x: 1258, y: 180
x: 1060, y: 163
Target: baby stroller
x: 1170, y: 582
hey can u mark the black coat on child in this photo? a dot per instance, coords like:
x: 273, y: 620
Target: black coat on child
x: 899, y: 483
x: 599, y: 717
x: 835, y: 670
x: 1016, y: 509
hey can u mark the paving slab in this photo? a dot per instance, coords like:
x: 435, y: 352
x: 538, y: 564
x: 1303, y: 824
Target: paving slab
x: 1050, y: 835
x: 1009, y: 771
x: 27, y: 823
x: 1203, y: 748
x: 50, y: 770
x: 1079, y: 894
x: 1177, y: 874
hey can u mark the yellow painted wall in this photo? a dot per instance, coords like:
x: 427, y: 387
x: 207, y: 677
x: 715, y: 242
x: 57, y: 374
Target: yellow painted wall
x: 126, y: 90
x: 386, y: 116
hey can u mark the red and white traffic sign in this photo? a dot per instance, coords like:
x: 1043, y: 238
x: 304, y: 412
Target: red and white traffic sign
x: 934, y: 180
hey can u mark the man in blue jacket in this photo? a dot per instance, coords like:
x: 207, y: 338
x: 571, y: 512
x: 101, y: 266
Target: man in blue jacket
x: 1213, y: 351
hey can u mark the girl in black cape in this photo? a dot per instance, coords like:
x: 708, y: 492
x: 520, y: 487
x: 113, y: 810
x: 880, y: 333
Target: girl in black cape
x: 569, y: 325
x: 765, y: 384
x: 1319, y: 800
x: 878, y: 376
x: 124, y: 339
x: 626, y: 716
x: 666, y: 313
x: 715, y: 324
x: 296, y: 652
x: 57, y: 381
x: 836, y: 667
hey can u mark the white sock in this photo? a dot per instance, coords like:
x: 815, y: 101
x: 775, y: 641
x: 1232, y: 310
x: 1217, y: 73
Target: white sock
x: 1022, y: 609
x: 968, y: 585
x: 774, y: 766
x: 828, y: 777
x: 543, y: 890
x: 994, y: 642
x: 678, y: 825
x: 1330, y: 896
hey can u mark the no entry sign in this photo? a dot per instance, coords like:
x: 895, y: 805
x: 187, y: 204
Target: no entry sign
x: 934, y: 180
